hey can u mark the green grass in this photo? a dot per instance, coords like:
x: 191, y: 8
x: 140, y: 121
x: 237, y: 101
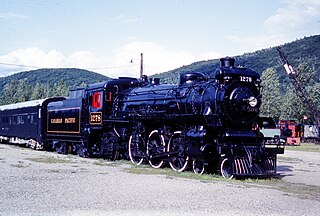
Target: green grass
x: 169, y: 173
x: 291, y: 189
x: 101, y: 162
x: 289, y: 159
x: 301, y: 190
x: 49, y: 160
x: 307, y: 147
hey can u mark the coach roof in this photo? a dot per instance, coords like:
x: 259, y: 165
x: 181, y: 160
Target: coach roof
x: 33, y: 103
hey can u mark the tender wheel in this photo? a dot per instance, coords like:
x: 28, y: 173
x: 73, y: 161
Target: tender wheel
x: 136, y: 148
x: 109, y: 146
x: 177, y: 143
x: 155, y: 145
x: 198, y: 166
x: 226, y: 169
x: 61, y: 148
x: 82, y: 150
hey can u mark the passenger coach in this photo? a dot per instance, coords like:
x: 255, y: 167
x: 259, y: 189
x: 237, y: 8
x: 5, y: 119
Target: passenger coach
x: 25, y: 123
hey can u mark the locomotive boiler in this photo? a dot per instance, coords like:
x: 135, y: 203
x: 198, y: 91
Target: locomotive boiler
x: 209, y: 122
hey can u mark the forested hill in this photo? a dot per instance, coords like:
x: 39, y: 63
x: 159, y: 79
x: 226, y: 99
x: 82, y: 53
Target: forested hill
x: 305, y: 50
x: 43, y: 83
x: 71, y: 76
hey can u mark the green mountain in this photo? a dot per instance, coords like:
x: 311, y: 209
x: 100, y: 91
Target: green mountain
x: 305, y: 50
x: 71, y: 76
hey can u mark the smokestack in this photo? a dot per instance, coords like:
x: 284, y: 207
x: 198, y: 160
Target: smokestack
x: 227, y: 62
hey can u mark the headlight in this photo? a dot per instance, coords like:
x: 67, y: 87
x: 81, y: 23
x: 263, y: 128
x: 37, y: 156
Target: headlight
x: 253, y: 101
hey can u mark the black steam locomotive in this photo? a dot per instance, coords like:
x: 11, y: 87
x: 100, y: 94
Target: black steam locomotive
x: 211, y: 123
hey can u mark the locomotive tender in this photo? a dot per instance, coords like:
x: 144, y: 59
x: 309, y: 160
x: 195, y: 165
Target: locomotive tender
x: 211, y: 123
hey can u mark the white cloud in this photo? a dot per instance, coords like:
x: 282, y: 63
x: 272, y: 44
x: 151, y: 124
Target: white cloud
x: 296, y: 19
x: 254, y: 43
x: 297, y: 15
x: 210, y: 55
x: 11, y: 15
x: 34, y: 57
x: 156, y: 59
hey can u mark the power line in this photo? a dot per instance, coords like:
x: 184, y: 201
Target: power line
x: 112, y: 67
x: 18, y: 65
x: 97, y: 68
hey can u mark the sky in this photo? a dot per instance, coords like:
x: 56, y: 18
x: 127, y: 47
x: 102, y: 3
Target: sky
x: 107, y: 36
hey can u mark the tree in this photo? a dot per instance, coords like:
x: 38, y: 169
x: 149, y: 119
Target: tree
x: 16, y: 91
x: 314, y: 92
x: 38, y: 92
x: 291, y: 107
x: 60, y: 89
x: 23, y: 91
x: 271, y: 93
x: 8, y: 95
x: 305, y: 74
x: 47, y: 90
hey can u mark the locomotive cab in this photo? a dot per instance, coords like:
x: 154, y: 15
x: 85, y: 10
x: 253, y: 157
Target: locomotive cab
x: 100, y: 98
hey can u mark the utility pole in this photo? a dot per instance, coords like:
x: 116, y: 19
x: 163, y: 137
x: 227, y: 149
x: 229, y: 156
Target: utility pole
x: 141, y: 65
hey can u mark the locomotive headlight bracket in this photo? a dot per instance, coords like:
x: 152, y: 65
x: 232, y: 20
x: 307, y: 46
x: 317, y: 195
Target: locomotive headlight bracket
x: 253, y: 101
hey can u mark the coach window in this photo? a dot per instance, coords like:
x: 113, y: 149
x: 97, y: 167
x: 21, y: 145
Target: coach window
x: 5, y: 120
x: 31, y: 118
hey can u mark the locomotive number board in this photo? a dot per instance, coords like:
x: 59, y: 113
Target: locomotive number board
x: 95, y: 117
x: 245, y: 79
x: 64, y: 120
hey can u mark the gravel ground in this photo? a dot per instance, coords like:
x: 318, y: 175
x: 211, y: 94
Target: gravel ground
x: 43, y: 183
x: 300, y: 167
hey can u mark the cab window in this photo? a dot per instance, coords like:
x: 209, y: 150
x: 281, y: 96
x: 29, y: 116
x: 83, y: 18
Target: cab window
x: 96, y: 101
